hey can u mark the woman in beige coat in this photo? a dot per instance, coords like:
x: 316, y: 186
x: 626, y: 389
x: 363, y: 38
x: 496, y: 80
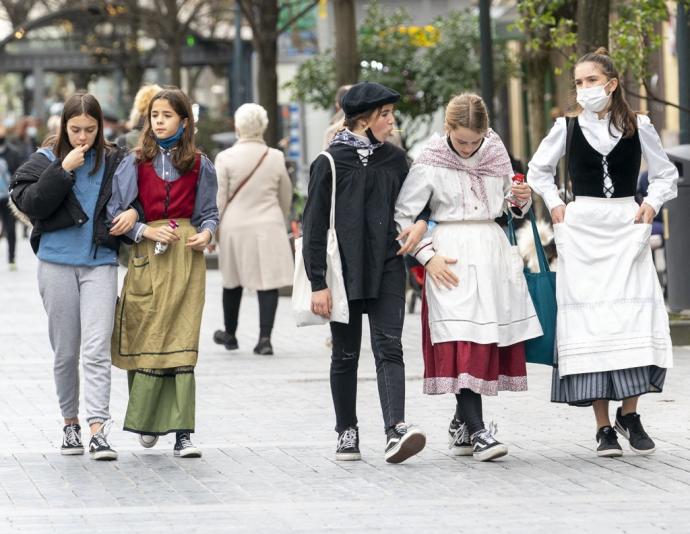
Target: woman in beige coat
x: 254, y: 196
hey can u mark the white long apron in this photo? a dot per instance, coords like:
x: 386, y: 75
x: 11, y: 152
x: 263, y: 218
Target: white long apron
x: 611, y: 311
x: 491, y: 304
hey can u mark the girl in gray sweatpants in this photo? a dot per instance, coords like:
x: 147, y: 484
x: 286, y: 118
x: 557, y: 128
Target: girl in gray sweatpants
x: 64, y: 188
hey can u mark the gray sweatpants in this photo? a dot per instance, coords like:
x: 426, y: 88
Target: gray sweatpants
x: 80, y: 302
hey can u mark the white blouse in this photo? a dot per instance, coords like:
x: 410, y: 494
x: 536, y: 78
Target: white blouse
x: 452, y: 197
x: 663, y: 175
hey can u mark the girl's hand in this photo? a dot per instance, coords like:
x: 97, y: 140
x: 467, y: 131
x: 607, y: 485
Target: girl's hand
x: 200, y: 240
x: 124, y: 222
x: 321, y: 303
x: 522, y: 192
x: 558, y: 215
x: 75, y: 158
x: 412, y: 236
x: 645, y: 214
x: 437, y: 267
x: 163, y: 234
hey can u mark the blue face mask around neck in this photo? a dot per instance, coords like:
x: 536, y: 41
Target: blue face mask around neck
x: 171, y: 141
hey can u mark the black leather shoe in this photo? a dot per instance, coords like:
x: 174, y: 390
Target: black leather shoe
x: 223, y: 338
x: 264, y: 347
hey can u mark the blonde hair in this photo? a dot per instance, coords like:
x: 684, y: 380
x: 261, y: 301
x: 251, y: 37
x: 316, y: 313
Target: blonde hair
x: 468, y: 111
x: 251, y: 121
x: 141, y: 104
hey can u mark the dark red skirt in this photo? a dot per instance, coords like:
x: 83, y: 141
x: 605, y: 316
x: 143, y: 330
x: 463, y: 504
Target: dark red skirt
x: 485, y: 369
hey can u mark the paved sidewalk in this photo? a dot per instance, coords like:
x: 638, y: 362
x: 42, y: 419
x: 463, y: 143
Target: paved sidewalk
x: 265, y: 426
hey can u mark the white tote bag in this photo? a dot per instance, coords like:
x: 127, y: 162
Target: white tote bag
x: 301, y: 286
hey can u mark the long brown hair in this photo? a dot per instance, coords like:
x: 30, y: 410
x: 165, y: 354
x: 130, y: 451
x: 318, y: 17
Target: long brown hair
x: 622, y: 115
x: 351, y: 122
x: 184, y: 154
x: 76, y: 105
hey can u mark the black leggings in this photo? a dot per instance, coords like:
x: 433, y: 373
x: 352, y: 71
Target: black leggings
x: 469, y: 410
x: 268, y: 304
x: 8, y: 226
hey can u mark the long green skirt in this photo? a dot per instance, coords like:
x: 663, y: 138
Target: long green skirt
x: 161, y: 400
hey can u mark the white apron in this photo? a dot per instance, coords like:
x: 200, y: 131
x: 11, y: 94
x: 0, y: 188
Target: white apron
x: 611, y: 311
x: 491, y: 304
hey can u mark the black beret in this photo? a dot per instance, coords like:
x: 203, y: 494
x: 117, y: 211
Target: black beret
x: 366, y: 96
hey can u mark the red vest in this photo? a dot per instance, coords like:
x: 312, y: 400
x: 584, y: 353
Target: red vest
x: 167, y: 200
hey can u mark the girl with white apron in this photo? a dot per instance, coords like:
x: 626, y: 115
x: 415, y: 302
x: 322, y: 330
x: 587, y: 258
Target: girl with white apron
x: 476, y: 311
x: 612, y: 332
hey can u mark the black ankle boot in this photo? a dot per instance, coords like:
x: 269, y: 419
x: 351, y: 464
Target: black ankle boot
x: 223, y: 338
x: 264, y: 347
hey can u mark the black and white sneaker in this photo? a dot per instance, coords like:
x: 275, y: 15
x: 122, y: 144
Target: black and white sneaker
x: 99, y: 448
x: 348, y: 445
x: 608, y: 443
x: 630, y: 427
x: 459, y: 439
x: 184, y: 448
x: 485, y: 446
x: 71, y: 440
x: 147, y: 440
x: 403, y: 442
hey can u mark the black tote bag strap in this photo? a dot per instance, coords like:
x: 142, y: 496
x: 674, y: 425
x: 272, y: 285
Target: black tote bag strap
x: 570, y: 126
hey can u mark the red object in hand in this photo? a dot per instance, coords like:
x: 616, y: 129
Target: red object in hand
x: 519, y: 178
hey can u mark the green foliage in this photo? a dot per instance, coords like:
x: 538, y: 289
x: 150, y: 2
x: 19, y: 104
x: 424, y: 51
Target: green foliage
x: 425, y: 64
x: 548, y: 25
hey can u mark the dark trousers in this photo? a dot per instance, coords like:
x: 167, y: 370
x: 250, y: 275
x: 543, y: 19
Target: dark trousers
x: 268, y: 304
x: 386, y: 316
x: 8, y: 227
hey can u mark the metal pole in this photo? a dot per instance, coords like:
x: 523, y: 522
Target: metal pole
x: 683, y: 50
x: 486, y: 57
x: 237, y: 96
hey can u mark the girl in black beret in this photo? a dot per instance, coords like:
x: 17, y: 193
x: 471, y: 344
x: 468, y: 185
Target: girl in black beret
x: 369, y: 175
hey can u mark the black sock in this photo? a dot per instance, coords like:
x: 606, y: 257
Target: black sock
x: 471, y: 409
x: 268, y: 303
x: 458, y: 410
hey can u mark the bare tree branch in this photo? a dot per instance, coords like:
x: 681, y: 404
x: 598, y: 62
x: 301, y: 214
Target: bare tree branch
x: 298, y: 16
x: 653, y: 97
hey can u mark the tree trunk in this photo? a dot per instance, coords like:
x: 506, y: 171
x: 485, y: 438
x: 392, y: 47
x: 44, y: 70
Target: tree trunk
x: 175, y: 61
x: 346, y: 53
x: 537, y: 65
x: 592, y: 25
x: 266, y: 45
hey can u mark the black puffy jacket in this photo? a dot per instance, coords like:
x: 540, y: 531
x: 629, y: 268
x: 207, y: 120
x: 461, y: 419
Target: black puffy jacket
x: 42, y: 190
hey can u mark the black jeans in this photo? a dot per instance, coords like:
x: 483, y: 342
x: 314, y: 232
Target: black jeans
x: 8, y: 227
x: 386, y: 316
x: 268, y: 304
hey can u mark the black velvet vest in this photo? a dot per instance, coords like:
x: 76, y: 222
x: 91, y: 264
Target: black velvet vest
x: 587, y: 166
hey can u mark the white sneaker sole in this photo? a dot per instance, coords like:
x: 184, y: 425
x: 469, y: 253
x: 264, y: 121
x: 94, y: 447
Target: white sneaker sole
x: 497, y: 451
x: 147, y: 444
x: 104, y: 455
x: 72, y: 452
x: 347, y: 456
x: 626, y: 435
x: 190, y: 452
x: 610, y: 453
x: 410, y: 444
x: 459, y: 450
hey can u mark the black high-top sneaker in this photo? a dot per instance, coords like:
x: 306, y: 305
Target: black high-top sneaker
x: 485, y: 446
x: 459, y: 439
x: 403, y: 442
x: 99, y: 448
x: 71, y: 440
x: 184, y: 448
x: 630, y: 427
x: 348, y: 445
x: 608, y: 443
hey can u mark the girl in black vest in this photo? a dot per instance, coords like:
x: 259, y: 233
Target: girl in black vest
x: 369, y: 174
x: 613, y: 332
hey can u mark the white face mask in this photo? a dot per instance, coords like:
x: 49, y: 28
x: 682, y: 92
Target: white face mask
x: 594, y: 99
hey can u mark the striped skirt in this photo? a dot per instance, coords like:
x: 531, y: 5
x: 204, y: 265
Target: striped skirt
x: 583, y: 389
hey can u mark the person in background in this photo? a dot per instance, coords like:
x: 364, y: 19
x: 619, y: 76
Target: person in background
x: 10, y: 160
x: 137, y: 115
x: 254, y: 197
